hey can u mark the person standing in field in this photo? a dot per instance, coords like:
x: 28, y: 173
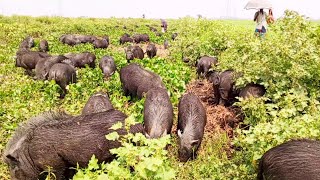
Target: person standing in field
x: 260, y: 18
x: 270, y: 18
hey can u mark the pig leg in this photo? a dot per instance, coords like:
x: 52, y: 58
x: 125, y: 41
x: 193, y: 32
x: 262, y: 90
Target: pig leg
x: 216, y: 95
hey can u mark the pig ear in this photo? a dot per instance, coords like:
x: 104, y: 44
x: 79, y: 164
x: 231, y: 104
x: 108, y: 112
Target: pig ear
x: 194, y: 142
x: 216, y: 80
x: 179, y: 133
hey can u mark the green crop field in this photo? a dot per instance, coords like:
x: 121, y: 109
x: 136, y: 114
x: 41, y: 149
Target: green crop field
x: 286, y: 61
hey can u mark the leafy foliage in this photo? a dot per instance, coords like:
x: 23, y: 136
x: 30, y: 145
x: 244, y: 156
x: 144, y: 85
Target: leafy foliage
x: 286, y: 62
x: 138, y: 158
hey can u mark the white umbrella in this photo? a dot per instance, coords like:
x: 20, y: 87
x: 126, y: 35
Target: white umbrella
x: 258, y: 4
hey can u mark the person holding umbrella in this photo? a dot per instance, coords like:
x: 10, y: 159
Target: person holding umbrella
x: 260, y: 17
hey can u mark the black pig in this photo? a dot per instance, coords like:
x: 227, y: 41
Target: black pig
x: 69, y: 39
x: 174, y: 36
x: 204, y: 64
x: 101, y: 43
x: 137, y: 38
x: 192, y: 119
x: 98, y: 102
x: 60, y: 141
x: 82, y: 59
x: 27, y: 43
x: 74, y: 39
x: 29, y: 59
x: 125, y: 38
x: 214, y: 77
x: 43, y: 66
x: 134, y: 52
x: 166, y: 44
x: 107, y: 66
x: 43, y: 46
x: 63, y: 74
x: 153, y: 29
x: 86, y: 38
x: 225, y: 84
x: 151, y: 50
x: 254, y: 90
x: 136, y: 80
x: 294, y: 160
x: 158, y: 113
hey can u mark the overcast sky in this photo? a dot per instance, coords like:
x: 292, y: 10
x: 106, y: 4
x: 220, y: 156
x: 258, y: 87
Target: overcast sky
x: 151, y: 8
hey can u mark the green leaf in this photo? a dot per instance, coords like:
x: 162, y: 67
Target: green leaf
x: 116, y: 126
x: 93, y: 163
x: 112, y: 136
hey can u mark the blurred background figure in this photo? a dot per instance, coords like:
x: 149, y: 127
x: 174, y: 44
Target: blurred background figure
x: 143, y: 16
x: 260, y: 17
x: 164, y: 25
x: 270, y: 18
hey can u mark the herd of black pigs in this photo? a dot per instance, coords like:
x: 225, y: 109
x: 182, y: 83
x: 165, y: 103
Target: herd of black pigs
x: 46, y: 140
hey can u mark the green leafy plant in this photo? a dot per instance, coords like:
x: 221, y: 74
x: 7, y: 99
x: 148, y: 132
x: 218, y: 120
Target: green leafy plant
x: 137, y: 158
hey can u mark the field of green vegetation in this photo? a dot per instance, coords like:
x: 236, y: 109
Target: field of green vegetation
x: 286, y: 62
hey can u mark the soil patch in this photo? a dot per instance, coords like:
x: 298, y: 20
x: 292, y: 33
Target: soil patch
x: 219, y: 118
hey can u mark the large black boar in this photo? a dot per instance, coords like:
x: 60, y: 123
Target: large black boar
x: 60, y: 142
x: 29, y: 59
x: 63, y: 74
x: 137, y: 38
x: 107, y: 66
x: 43, y: 46
x: 254, y: 90
x: 151, y: 50
x: 101, y: 43
x: 98, y: 102
x: 82, y: 59
x: 134, y: 52
x: 204, y: 64
x: 294, y: 160
x: 43, y: 66
x: 136, y: 80
x: 125, y: 38
x: 27, y: 43
x: 157, y: 113
x: 192, y: 119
